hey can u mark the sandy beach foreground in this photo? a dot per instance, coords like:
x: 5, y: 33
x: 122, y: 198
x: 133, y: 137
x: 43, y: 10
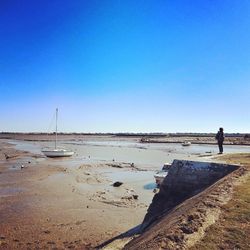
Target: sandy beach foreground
x: 45, y: 204
x: 72, y: 203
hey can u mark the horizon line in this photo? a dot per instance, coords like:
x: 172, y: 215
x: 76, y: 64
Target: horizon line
x: 122, y: 133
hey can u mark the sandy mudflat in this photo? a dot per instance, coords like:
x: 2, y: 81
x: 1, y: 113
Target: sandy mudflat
x: 71, y: 203
x: 49, y: 203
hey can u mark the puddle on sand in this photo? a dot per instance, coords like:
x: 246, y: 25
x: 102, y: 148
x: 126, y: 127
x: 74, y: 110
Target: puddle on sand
x: 150, y: 186
x: 130, y: 176
x: 137, y: 181
x: 32, y: 147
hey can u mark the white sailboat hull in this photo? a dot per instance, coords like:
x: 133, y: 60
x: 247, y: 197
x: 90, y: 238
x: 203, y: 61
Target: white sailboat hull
x: 57, y: 152
x: 186, y: 144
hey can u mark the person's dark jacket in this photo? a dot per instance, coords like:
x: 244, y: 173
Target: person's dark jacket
x: 220, y: 137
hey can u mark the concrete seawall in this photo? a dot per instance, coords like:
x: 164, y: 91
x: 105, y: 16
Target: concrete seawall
x: 184, y: 180
x: 173, y: 213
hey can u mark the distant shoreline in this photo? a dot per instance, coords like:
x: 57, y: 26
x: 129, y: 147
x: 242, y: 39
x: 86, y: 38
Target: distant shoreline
x: 153, y: 134
x: 209, y: 139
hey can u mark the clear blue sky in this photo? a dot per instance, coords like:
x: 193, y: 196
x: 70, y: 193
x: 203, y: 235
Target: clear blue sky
x: 125, y: 66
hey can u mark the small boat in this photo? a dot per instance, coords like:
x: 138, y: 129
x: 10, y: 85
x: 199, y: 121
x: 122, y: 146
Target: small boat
x: 57, y: 152
x: 186, y: 143
x: 160, y: 175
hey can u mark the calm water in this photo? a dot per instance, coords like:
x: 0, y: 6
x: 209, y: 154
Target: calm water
x: 146, y: 156
x: 150, y: 157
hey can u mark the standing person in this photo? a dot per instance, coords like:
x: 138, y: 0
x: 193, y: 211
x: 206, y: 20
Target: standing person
x: 220, y: 138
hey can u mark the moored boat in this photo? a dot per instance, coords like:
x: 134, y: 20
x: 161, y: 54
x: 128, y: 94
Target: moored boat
x: 57, y: 152
x: 186, y: 143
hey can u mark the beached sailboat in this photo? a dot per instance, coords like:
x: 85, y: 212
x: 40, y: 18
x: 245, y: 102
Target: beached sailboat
x: 57, y: 152
x: 186, y: 143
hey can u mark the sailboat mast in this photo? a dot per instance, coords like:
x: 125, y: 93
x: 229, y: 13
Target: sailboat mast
x: 56, y: 127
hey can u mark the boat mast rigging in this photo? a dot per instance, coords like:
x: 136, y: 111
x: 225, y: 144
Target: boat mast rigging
x: 56, y: 128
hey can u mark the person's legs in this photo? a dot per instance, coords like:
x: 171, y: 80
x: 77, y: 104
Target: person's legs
x: 220, y: 147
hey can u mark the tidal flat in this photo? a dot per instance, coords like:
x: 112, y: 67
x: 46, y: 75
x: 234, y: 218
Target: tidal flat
x: 71, y: 202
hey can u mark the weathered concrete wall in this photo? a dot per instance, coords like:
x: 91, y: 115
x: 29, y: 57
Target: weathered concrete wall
x: 190, y: 176
x: 184, y: 179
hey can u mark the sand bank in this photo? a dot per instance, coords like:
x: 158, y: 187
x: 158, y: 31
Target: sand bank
x: 71, y: 203
x: 48, y: 203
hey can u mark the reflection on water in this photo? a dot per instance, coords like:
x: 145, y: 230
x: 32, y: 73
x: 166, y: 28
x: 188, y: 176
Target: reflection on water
x: 32, y: 147
x: 150, y: 186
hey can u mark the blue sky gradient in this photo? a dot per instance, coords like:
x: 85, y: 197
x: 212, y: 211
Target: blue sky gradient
x: 125, y: 66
